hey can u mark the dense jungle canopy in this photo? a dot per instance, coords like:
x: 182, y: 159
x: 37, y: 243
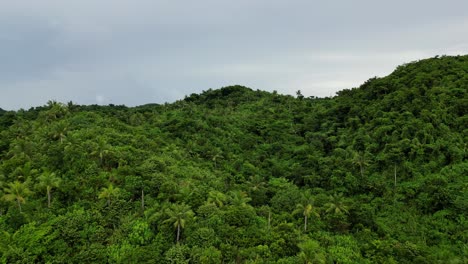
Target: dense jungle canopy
x: 375, y: 174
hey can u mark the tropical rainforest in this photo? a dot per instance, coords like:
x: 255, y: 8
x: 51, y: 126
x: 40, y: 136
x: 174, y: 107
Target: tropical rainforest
x: 375, y: 174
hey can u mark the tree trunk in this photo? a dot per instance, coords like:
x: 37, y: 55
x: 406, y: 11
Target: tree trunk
x: 48, y: 197
x: 269, y: 219
x: 305, y: 223
x: 19, y: 204
x: 142, y: 200
x: 178, y: 233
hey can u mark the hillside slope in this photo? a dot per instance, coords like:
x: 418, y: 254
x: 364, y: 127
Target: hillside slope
x: 376, y: 174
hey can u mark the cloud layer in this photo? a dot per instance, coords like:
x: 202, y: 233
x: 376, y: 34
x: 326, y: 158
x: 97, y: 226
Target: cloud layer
x: 142, y: 51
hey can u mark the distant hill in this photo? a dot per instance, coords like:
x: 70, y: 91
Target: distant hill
x: 375, y: 174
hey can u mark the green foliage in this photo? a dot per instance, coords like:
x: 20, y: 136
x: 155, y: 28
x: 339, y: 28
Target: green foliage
x: 178, y: 215
x: 16, y: 192
x: 376, y: 174
x: 109, y: 193
x: 47, y: 181
x: 311, y: 252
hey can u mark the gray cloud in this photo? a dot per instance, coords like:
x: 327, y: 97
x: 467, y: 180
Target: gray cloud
x: 142, y: 51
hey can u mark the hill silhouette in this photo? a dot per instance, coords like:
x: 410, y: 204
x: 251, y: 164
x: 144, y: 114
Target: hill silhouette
x: 375, y: 174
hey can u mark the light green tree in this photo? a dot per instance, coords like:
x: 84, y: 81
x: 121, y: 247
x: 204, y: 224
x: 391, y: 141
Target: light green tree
x: 306, y: 208
x: 210, y: 255
x: 239, y: 198
x: 217, y: 198
x: 102, y: 150
x: 49, y: 180
x: 16, y: 192
x: 311, y: 252
x: 109, y: 193
x: 59, y: 131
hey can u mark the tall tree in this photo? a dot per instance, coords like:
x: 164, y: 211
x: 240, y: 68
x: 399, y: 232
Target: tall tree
x: 16, y: 192
x: 59, y: 131
x: 306, y: 208
x: 56, y: 110
x: 109, y: 193
x: 102, y: 150
x: 360, y: 159
x: 49, y: 180
x: 178, y: 215
x: 337, y: 205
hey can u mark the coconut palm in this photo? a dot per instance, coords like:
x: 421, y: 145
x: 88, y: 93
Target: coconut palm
x: 178, y: 215
x: 49, y: 180
x: 216, y: 198
x: 109, y: 193
x: 56, y: 110
x: 16, y: 192
x: 306, y: 208
x: 266, y: 211
x: 256, y: 182
x: 102, y: 150
x: 239, y: 198
x: 59, y: 131
x: 337, y: 205
x: 21, y: 148
x: 25, y: 172
x: 360, y: 159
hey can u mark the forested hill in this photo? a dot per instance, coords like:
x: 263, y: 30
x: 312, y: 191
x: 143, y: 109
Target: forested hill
x: 376, y: 174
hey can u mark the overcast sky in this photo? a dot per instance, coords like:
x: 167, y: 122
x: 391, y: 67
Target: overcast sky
x: 135, y: 52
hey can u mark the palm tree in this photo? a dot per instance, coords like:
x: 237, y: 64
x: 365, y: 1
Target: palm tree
x: 25, y: 172
x: 255, y: 184
x: 154, y: 213
x: 185, y: 191
x: 16, y: 192
x: 109, y: 193
x: 59, y: 131
x: 178, y: 215
x: 49, y: 180
x: 102, y: 150
x: 239, y: 198
x: 21, y: 148
x: 56, y: 110
x: 361, y: 160
x: 216, y: 198
x: 337, y: 205
x: 266, y: 210
x: 216, y: 156
x: 306, y: 208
